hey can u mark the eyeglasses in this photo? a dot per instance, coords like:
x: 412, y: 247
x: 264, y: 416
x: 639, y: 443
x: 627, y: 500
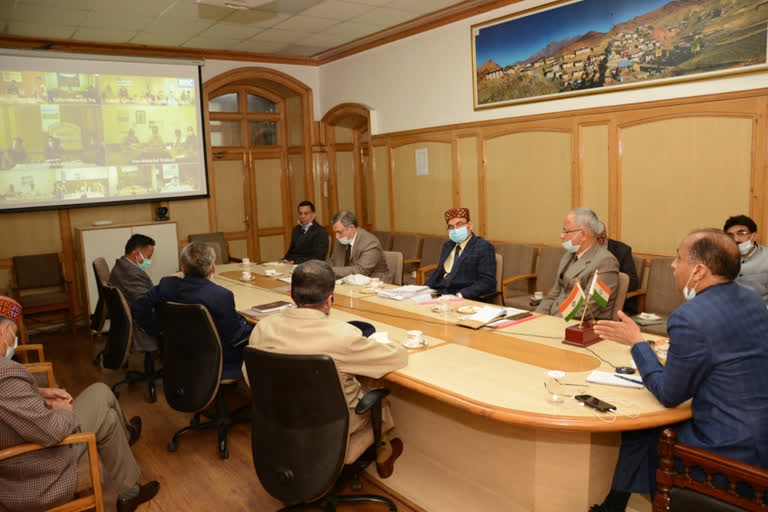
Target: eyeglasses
x: 740, y: 233
x: 568, y: 231
x: 458, y: 225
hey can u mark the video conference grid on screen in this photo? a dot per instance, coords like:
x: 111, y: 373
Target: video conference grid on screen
x: 71, y: 138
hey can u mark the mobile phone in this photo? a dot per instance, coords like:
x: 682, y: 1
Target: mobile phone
x: 595, y: 403
x: 519, y: 316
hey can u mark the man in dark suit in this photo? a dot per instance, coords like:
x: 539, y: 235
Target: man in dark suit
x: 197, y: 264
x: 356, y: 251
x: 623, y: 254
x: 467, y: 263
x: 129, y: 275
x: 309, y: 240
x: 582, y: 258
x: 717, y: 356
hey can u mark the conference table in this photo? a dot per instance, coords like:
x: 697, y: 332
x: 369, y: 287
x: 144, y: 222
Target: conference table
x: 479, y: 429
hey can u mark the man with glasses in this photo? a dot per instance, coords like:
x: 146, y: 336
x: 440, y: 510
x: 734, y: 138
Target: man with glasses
x: 754, y: 257
x: 356, y: 251
x: 583, y: 255
x: 467, y: 262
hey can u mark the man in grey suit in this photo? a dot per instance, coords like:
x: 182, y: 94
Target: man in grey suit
x: 582, y: 257
x: 129, y: 275
x: 356, y: 251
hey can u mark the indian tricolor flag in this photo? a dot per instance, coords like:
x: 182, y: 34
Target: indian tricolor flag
x: 571, y: 305
x: 599, y: 292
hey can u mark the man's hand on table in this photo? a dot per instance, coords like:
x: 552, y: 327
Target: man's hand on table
x: 625, y: 331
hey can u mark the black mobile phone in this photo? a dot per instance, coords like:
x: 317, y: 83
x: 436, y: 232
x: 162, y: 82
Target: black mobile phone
x: 595, y: 403
x: 519, y: 316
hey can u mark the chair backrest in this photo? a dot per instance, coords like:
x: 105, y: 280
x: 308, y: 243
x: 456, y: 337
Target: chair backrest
x: 385, y: 239
x: 662, y: 297
x: 430, y: 250
x: 546, y: 267
x: 37, y: 271
x: 300, y: 422
x: 639, y: 268
x: 219, y: 260
x: 192, y: 357
x: 395, y: 263
x: 101, y: 270
x: 621, y: 295
x: 120, y: 339
x: 709, y: 490
x: 212, y: 238
x: 518, y: 259
x: 499, y: 277
x: 408, y: 244
x: 101, y: 274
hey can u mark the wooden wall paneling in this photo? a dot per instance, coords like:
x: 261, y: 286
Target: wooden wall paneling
x: 468, y: 172
x: 456, y: 171
x: 307, y: 116
x: 380, y: 155
x: 595, y: 169
x: 68, y: 253
x: 333, y: 197
x: 357, y: 173
x: 209, y: 157
x: 577, y: 165
x: 285, y: 179
x: 391, y: 177
x: 758, y: 197
x: 482, y: 187
x: 614, y: 180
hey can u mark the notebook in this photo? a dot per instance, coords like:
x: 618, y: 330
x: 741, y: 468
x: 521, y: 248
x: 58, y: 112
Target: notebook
x: 609, y: 379
x: 271, y: 307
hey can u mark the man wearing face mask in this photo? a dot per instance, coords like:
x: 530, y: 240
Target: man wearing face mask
x: 129, y: 275
x: 356, y: 251
x: 583, y: 255
x: 754, y: 257
x: 196, y: 287
x: 28, y: 414
x: 467, y: 264
x: 717, y: 357
x: 309, y: 240
x: 308, y: 329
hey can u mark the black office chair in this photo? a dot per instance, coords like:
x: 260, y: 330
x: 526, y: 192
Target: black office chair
x: 119, y: 344
x: 192, y: 361
x: 101, y: 312
x: 300, y: 430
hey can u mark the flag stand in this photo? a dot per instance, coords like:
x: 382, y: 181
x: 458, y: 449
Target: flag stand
x: 582, y: 334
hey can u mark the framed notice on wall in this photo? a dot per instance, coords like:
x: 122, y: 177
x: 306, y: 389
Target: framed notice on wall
x: 590, y: 46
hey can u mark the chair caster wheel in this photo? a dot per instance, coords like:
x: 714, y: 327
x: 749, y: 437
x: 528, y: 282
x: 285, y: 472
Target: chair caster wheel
x: 152, y: 396
x: 224, y: 454
x: 172, y: 446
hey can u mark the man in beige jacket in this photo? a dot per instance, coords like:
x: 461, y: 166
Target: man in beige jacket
x: 308, y: 329
x: 356, y: 250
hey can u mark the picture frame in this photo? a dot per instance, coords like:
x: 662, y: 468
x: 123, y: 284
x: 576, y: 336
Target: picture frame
x: 577, y: 47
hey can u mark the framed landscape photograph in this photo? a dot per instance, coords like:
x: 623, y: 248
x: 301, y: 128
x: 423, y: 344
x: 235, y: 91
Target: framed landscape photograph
x: 589, y: 46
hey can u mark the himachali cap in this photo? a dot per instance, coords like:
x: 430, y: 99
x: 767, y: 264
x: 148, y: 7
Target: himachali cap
x: 9, y: 308
x: 456, y: 212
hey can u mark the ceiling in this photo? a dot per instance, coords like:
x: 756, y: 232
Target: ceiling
x: 282, y: 27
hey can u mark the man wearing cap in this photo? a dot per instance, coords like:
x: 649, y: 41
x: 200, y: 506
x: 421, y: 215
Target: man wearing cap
x: 467, y: 262
x: 46, y: 478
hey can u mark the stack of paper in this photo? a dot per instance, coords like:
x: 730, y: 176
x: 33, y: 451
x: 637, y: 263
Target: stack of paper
x: 403, y: 292
x: 488, y: 313
x: 609, y: 379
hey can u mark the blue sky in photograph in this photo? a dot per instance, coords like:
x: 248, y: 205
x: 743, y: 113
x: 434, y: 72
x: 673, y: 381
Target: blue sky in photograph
x: 517, y: 40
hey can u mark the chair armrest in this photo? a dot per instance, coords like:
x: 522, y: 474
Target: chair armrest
x: 640, y: 294
x: 236, y: 260
x: 44, y: 367
x: 508, y: 281
x: 241, y: 343
x: 421, y: 273
x: 33, y: 347
x: 411, y: 260
x: 370, y: 399
x: 20, y: 449
x: 636, y: 293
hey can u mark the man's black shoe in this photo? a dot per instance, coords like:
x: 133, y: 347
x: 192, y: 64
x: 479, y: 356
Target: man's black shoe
x: 146, y: 493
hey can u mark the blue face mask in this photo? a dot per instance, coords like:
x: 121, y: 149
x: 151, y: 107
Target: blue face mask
x: 145, y: 263
x: 568, y: 246
x: 458, y: 235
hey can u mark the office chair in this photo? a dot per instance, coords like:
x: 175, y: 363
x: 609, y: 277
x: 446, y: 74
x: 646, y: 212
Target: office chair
x: 300, y: 438
x: 120, y: 342
x: 679, y: 489
x: 192, y: 362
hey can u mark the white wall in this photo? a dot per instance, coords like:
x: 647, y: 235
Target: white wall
x: 426, y: 80
x: 309, y: 75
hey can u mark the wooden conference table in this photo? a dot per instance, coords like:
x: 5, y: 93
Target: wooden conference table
x: 471, y: 408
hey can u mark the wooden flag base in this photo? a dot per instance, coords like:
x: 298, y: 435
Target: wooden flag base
x: 583, y: 336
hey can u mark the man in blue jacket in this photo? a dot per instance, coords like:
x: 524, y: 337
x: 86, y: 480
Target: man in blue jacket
x: 717, y: 356
x: 467, y: 262
x: 197, y: 264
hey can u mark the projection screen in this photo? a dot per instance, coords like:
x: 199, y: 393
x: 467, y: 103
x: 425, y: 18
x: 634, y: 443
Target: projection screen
x: 77, y: 132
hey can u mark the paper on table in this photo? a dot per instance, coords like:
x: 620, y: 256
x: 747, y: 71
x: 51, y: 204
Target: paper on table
x: 609, y: 379
x: 487, y: 313
x: 284, y: 279
x: 422, y: 298
x: 403, y: 292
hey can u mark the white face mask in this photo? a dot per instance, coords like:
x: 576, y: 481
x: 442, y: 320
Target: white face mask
x: 10, y: 350
x: 745, y: 247
x: 689, y: 294
x: 570, y: 247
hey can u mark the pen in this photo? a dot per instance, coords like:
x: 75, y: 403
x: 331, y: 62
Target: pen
x: 630, y: 380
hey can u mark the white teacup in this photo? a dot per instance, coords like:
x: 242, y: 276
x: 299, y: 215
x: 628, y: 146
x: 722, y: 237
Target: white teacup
x: 246, y: 275
x: 538, y: 295
x: 380, y: 336
x: 415, y: 339
x: 246, y: 261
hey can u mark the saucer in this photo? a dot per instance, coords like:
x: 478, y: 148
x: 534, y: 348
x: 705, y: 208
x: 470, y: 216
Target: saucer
x: 369, y: 290
x: 247, y: 280
x: 414, y: 346
x: 649, y: 316
x: 467, y: 310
